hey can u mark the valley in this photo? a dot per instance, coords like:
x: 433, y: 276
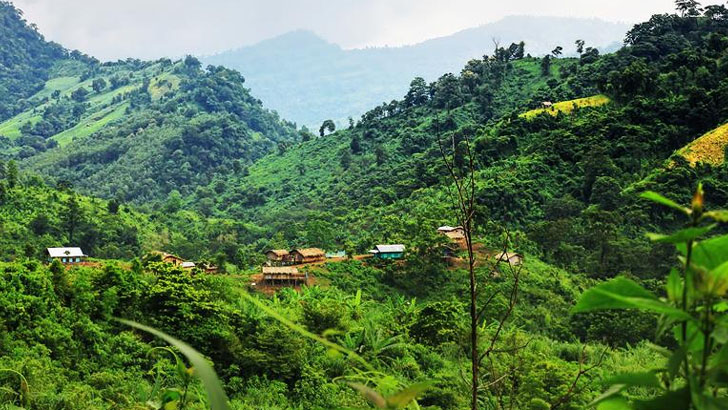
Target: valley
x: 524, y: 232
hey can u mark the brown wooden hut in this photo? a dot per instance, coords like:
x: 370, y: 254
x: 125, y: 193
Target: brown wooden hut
x: 277, y: 255
x: 308, y: 255
x: 283, y: 276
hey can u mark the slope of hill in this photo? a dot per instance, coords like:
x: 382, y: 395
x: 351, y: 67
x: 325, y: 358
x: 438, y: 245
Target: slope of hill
x: 132, y: 130
x: 25, y: 60
x: 550, y: 176
x: 709, y: 149
x: 309, y: 80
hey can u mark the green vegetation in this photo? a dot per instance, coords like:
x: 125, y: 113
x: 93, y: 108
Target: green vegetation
x: 189, y: 162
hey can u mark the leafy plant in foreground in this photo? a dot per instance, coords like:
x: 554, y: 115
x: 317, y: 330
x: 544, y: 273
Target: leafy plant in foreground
x: 695, y: 375
x: 215, y: 394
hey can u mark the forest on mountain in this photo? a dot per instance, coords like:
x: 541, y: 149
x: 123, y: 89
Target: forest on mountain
x: 613, y: 296
x: 326, y: 81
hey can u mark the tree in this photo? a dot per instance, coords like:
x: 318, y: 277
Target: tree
x: 580, y: 46
x: 11, y: 174
x: 98, y: 85
x: 79, y: 95
x: 520, y: 51
x: 191, y: 63
x: 355, y: 145
x: 418, y: 93
x: 327, y: 125
x: 546, y: 66
x: 345, y: 159
x: 688, y: 8
x: 462, y: 173
x: 71, y: 217
x: 557, y: 51
x: 380, y: 154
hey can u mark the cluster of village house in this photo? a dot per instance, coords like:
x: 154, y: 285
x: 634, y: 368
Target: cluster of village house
x: 281, y: 270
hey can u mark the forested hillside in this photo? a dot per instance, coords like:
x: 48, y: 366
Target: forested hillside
x: 26, y: 60
x: 562, y: 295
x: 131, y: 130
x: 307, y: 79
x: 570, y: 172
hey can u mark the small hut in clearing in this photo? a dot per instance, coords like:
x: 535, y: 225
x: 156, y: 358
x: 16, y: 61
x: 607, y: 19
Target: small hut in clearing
x: 513, y: 259
x: 277, y: 255
x: 283, y: 275
x: 308, y: 255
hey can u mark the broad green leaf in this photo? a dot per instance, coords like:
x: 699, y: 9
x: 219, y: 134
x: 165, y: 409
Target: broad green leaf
x: 614, y: 403
x: 215, y: 394
x: 674, y: 362
x: 674, y: 286
x: 684, y: 235
x: 623, y: 293
x: 645, y: 379
x: 695, y: 337
x: 708, y: 253
x: 370, y: 394
x: 720, y: 215
x: 718, y: 280
x: 404, y: 397
x: 655, y: 197
x: 611, y: 393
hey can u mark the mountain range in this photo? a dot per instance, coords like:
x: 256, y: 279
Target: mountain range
x: 308, y: 80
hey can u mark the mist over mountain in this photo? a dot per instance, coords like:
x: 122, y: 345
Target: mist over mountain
x: 307, y: 79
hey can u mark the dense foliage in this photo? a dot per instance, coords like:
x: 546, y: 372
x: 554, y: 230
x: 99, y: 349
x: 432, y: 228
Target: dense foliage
x: 189, y: 162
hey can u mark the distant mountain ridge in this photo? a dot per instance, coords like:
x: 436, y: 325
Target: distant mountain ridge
x: 307, y: 79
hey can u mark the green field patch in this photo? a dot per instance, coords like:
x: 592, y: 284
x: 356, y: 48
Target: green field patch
x: 91, y: 124
x: 163, y: 84
x: 567, y: 107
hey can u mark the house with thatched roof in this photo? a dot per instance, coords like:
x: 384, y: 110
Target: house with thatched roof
x: 307, y: 255
x: 277, y: 255
x: 284, y: 275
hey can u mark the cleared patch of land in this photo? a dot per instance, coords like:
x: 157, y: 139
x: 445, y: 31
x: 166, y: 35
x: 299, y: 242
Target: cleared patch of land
x: 709, y: 149
x: 567, y: 107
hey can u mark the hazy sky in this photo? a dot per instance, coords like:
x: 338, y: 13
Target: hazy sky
x: 110, y: 29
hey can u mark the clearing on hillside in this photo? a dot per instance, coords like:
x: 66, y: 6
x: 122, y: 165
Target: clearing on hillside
x: 710, y: 148
x: 567, y: 107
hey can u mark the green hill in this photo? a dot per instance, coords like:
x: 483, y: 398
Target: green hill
x: 134, y: 130
x: 549, y: 176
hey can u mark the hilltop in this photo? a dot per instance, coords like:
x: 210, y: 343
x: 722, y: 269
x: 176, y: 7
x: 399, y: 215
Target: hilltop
x: 307, y: 79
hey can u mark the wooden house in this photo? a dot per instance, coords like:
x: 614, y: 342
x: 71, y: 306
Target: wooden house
x: 277, y: 256
x: 388, y: 251
x: 308, y: 255
x: 455, y: 234
x: 513, y: 259
x: 171, y: 259
x: 283, y: 276
x: 66, y: 255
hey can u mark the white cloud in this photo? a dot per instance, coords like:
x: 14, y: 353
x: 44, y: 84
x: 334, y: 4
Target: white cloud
x: 154, y: 28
